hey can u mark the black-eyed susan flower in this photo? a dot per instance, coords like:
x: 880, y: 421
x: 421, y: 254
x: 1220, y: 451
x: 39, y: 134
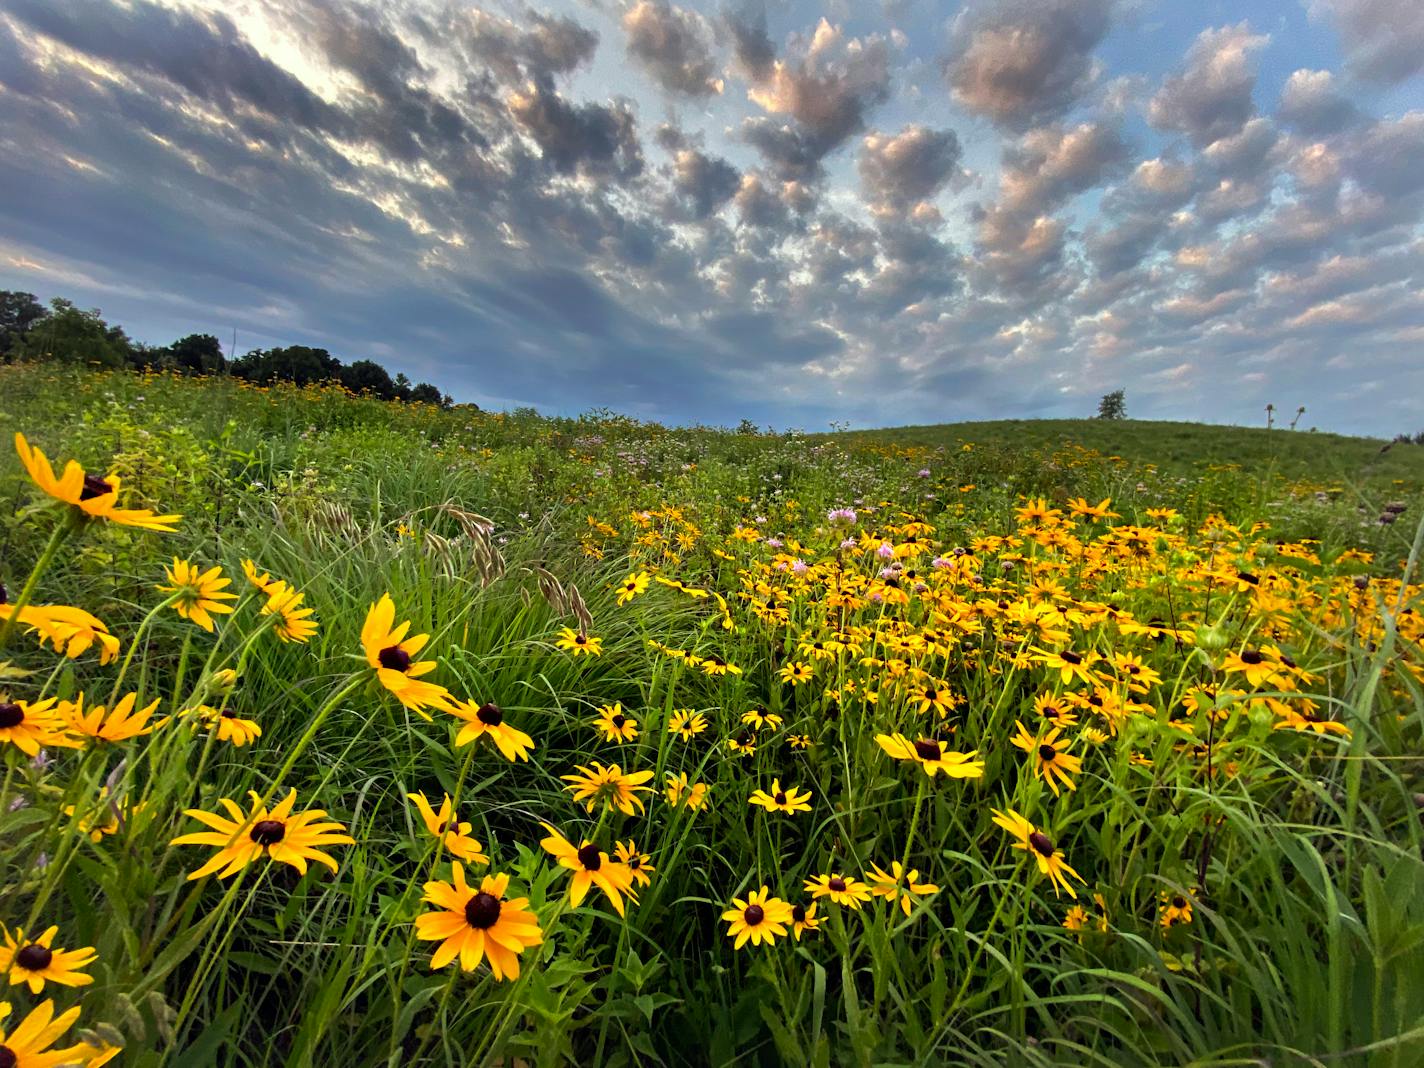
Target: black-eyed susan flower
x: 293, y: 622
x: 453, y: 833
x: 29, y: 1044
x: 116, y: 725
x: 276, y: 833
x: 1031, y: 840
x: 261, y: 580
x: 577, y: 643
x: 796, y: 672
x: 610, y: 785
x: 789, y: 800
x: 229, y: 725
x: 488, y: 720
x: 743, y: 743
x: 35, y: 961
x: 933, y: 755
x: 632, y: 586
x: 715, y: 666
x: 478, y: 924
x: 1055, y: 708
x: 679, y: 792
x: 639, y: 864
x: 932, y: 697
x: 803, y: 919
x: 799, y: 741
x: 614, y: 724
x: 69, y: 631
x: 392, y: 656
x: 1051, y: 760
x: 591, y: 867
x: 198, y: 595
x: 1258, y: 667
x: 1067, y: 663
x: 686, y: 723
x: 842, y: 889
x: 92, y: 497
x: 760, y: 719
x: 1174, y: 908
x: 758, y: 918
x: 31, y: 725
x: 898, y: 886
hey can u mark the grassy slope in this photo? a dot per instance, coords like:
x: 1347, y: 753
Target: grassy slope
x: 1184, y: 447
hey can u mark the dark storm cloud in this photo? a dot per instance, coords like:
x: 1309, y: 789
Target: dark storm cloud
x: 674, y: 46
x: 896, y: 172
x: 704, y: 182
x: 591, y: 139
x: 1022, y: 62
x: 1210, y: 97
x: 1383, y: 39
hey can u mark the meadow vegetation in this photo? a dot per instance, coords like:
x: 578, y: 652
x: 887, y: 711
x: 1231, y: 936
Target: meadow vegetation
x: 337, y: 730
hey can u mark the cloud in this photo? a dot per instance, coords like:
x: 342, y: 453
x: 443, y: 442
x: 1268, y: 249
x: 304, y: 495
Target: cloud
x: 1311, y: 104
x: 1210, y: 97
x: 1383, y: 40
x: 539, y: 45
x: 913, y: 165
x: 706, y: 182
x: 590, y: 139
x: 1023, y: 62
x: 674, y: 46
x: 1049, y: 164
x: 752, y: 45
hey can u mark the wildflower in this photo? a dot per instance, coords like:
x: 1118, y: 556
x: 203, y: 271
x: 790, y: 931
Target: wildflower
x: 293, y: 622
x: 759, y: 918
x: 1174, y: 908
x: 28, y: 1045
x: 488, y: 719
x: 789, y: 801
x: 1076, y: 920
x: 795, y: 672
x: 476, y: 925
x: 759, y: 718
x: 275, y: 833
x: 686, y: 722
x: 28, y: 726
x: 578, y: 643
x: 640, y: 864
x: 263, y: 582
x: 1067, y: 663
x: 229, y: 725
x: 611, y: 785
x: 70, y: 631
x: 92, y: 496
x: 932, y: 755
x: 679, y: 792
x: 803, y: 919
x: 392, y: 655
x: 714, y: 665
x: 1052, y: 763
x: 35, y: 962
x: 118, y: 725
x: 632, y: 586
x: 799, y: 741
x: 933, y: 697
x: 1080, y: 506
x: 899, y: 888
x: 614, y: 725
x: 197, y: 596
x: 591, y: 867
x: 1254, y: 664
x: 453, y: 834
x: 1034, y: 842
x: 743, y: 743
x: 838, y: 888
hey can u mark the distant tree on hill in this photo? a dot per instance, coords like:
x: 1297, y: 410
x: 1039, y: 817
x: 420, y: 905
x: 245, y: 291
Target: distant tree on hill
x: 71, y: 335
x: 427, y: 394
x: 301, y: 364
x: 1113, y: 405
x: 367, y: 376
x: 18, y: 312
x: 197, y: 354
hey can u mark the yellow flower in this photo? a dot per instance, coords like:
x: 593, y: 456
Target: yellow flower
x: 275, y: 833
x: 614, y: 725
x: 686, y: 722
x: 35, y: 962
x: 679, y: 792
x: 69, y: 630
x: 758, y: 918
x: 29, y: 1044
x: 839, y: 888
x: 230, y: 727
x: 294, y: 622
x: 789, y: 801
x: 94, y: 497
x: 610, y: 785
x: 28, y: 726
x: 1051, y: 761
x: 1031, y: 840
x: 454, y: 834
x: 488, y: 720
x: 476, y: 925
x: 591, y: 867
x: 633, y: 585
x: 119, y: 725
x: 263, y: 582
x: 932, y: 755
x: 898, y: 887
x: 578, y: 643
x: 803, y: 919
x: 196, y: 595
x: 392, y: 656
x: 639, y: 864
x: 795, y: 672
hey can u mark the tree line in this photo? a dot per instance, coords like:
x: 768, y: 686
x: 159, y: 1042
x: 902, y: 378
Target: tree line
x: 65, y: 333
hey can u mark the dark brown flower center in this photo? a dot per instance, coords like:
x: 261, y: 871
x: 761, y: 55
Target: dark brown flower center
x: 94, y: 486
x: 1179, y: 902
x: 1041, y: 843
x: 798, y: 913
x: 1247, y: 577
x: 8, y: 1057
x: 618, y: 721
x: 268, y: 832
x: 395, y: 658
x: 11, y: 715
x: 1047, y: 753
x: 588, y: 856
x: 927, y: 750
x: 1251, y: 656
x: 228, y: 713
x: 482, y: 910
x: 836, y: 883
x: 931, y: 694
x: 34, y: 958
x: 753, y: 915
x: 780, y: 797
x: 635, y: 862
x: 490, y: 714
x: 1071, y: 657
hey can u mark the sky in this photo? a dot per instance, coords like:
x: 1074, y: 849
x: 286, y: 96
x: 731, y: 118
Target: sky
x: 863, y: 212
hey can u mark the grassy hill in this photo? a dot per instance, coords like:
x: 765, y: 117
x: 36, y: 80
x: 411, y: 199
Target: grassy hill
x: 1184, y: 448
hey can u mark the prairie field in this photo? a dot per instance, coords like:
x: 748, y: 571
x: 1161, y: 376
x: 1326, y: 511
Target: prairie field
x: 339, y: 731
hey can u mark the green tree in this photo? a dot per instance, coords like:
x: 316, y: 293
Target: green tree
x: 1113, y: 405
x: 197, y: 354
x: 427, y: 394
x: 18, y: 313
x: 367, y: 376
x: 301, y: 364
x: 72, y: 335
